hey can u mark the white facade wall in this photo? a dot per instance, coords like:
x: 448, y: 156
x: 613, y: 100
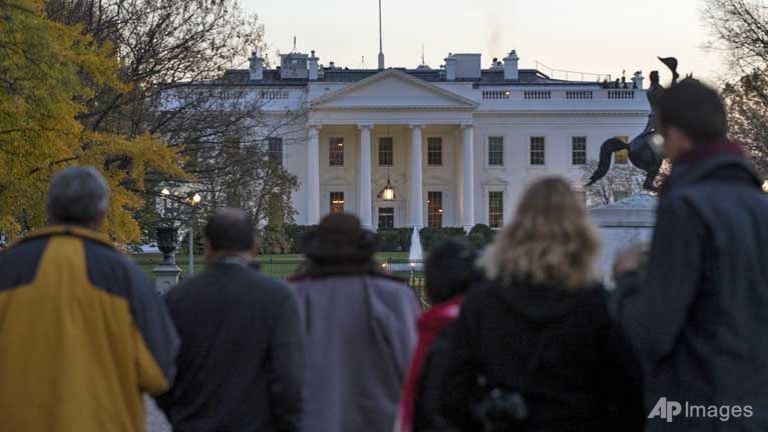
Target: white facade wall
x: 392, y: 102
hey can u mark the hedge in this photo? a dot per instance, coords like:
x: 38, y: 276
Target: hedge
x: 394, y: 239
x: 480, y: 236
x: 433, y: 237
x: 391, y: 239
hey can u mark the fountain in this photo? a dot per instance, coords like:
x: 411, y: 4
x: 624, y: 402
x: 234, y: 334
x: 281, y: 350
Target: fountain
x: 416, y: 253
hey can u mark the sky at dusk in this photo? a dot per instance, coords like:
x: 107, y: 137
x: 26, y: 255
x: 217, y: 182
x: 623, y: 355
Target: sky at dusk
x: 595, y: 36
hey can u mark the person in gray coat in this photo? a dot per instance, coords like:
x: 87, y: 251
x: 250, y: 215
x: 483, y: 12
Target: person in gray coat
x: 359, y: 328
x: 698, y: 310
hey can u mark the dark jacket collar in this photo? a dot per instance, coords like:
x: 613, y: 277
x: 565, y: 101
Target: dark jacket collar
x: 724, y: 167
x: 69, y: 230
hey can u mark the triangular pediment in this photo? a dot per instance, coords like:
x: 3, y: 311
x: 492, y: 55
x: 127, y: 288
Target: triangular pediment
x: 392, y: 89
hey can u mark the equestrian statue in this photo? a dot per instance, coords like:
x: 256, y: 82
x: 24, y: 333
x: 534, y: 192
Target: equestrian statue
x: 644, y: 149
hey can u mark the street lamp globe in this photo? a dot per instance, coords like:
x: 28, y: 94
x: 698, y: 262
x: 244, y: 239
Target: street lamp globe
x: 196, y: 198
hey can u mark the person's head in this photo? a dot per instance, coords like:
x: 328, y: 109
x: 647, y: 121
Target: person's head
x: 78, y: 196
x: 229, y: 232
x: 691, y: 115
x: 550, y: 242
x: 450, y: 270
x: 339, y: 241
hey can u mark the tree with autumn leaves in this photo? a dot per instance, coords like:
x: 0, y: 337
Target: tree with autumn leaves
x: 49, y: 72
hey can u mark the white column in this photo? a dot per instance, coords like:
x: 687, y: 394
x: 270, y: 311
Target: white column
x: 313, y: 175
x: 468, y: 176
x: 365, y: 176
x: 417, y: 196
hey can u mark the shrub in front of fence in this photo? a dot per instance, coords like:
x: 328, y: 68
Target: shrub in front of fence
x: 432, y: 237
x: 480, y: 236
x: 394, y: 239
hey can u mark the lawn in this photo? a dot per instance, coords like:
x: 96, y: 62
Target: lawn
x: 278, y: 266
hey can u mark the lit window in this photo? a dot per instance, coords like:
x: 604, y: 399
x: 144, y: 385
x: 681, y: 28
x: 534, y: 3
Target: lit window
x: 275, y: 150
x: 496, y: 151
x: 579, y: 150
x: 386, y: 151
x: 337, y: 202
x: 495, y: 209
x: 621, y: 157
x: 538, y: 156
x: 336, y: 151
x: 435, y: 209
x: 434, y: 151
x: 386, y: 217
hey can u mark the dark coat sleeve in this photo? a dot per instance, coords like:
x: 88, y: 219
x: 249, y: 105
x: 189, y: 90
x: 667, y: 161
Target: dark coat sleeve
x: 459, y: 388
x: 652, y: 306
x: 427, y: 415
x: 287, y: 368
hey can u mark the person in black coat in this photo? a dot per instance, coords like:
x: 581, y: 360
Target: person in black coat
x: 540, y: 330
x: 241, y: 365
x: 698, y: 312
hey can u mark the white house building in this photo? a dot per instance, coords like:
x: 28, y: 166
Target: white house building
x: 458, y: 144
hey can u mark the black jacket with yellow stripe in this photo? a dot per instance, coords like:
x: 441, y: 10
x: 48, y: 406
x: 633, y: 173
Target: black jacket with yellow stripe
x: 82, y: 335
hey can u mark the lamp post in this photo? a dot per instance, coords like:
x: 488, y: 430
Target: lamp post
x: 167, y: 272
x: 194, y: 201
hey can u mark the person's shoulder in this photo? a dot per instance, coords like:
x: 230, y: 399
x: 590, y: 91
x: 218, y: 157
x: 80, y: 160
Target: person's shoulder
x: 593, y: 302
x: 18, y: 263
x: 390, y: 284
x: 111, y: 270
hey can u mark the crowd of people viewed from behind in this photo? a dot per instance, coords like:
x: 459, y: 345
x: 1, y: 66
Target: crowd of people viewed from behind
x: 522, y: 336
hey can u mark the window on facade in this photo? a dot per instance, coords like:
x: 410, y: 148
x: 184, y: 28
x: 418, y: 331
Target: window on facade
x: 434, y: 151
x: 336, y: 151
x: 579, y: 150
x: 337, y: 202
x: 386, y: 217
x: 386, y: 151
x: 434, y: 209
x: 275, y: 150
x: 496, y: 151
x: 620, y: 194
x: 538, y: 155
x: 621, y: 157
x: 495, y: 209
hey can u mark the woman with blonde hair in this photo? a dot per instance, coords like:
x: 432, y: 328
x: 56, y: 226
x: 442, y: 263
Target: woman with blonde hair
x: 534, y: 348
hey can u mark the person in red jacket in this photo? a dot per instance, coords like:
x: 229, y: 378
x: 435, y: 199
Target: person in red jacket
x: 449, y: 271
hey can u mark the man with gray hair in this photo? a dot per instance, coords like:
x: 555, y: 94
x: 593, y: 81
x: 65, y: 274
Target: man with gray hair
x: 83, y: 332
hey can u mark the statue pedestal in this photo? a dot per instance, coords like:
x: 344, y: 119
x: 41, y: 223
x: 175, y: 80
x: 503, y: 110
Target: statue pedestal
x: 166, y: 277
x: 621, y: 224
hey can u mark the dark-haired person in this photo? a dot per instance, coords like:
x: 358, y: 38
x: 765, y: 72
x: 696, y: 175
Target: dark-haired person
x: 449, y: 272
x: 698, y: 311
x: 241, y: 362
x: 359, y: 328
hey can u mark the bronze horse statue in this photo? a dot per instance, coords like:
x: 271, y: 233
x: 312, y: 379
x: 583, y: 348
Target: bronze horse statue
x: 643, y: 149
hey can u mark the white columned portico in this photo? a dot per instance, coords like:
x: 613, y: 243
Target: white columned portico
x: 416, y: 196
x: 313, y: 175
x: 468, y: 176
x: 365, y: 176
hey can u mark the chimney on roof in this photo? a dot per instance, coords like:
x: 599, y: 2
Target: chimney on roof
x: 511, y: 71
x: 450, y: 68
x: 256, y: 67
x: 312, y: 63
